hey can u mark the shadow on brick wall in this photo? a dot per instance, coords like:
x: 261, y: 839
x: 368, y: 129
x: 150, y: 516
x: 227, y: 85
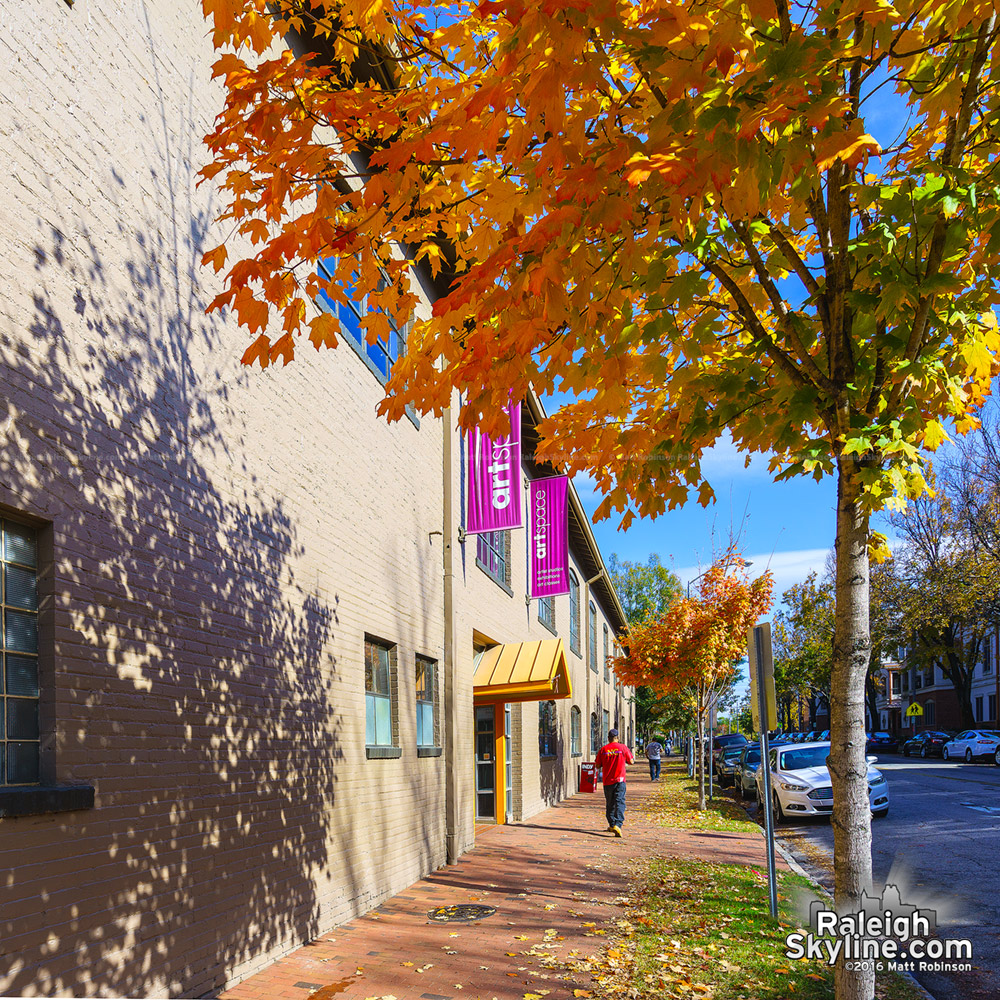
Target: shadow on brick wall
x: 192, y: 673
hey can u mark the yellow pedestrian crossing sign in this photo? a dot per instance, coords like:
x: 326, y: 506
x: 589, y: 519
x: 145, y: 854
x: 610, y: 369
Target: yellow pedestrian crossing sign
x: 915, y: 709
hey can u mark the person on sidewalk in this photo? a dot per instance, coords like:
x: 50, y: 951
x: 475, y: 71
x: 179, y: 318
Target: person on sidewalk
x: 654, y: 753
x: 611, y: 759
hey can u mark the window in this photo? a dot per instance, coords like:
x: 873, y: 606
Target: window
x: 19, y: 732
x: 979, y: 709
x: 607, y: 669
x: 381, y: 355
x: 493, y: 555
x: 607, y: 725
x: 595, y: 734
x: 929, y: 677
x: 427, y: 689
x: 894, y: 682
x: 928, y: 713
x: 380, y: 721
x: 993, y: 708
x: 546, y: 729
x: 987, y: 658
x: 575, y: 732
x: 547, y: 612
x: 574, y: 612
x: 592, y: 650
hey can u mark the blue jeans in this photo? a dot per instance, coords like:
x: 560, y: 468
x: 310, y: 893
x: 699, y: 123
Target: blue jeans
x: 614, y: 799
x: 654, y: 768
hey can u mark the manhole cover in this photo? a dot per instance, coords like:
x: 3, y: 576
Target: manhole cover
x: 465, y: 913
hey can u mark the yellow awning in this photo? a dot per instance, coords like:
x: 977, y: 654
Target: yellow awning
x: 521, y: 671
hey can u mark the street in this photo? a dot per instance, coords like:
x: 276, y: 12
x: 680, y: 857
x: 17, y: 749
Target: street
x: 938, y: 846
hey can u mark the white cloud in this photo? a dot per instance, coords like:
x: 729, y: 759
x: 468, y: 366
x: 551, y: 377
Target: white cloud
x: 788, y: 567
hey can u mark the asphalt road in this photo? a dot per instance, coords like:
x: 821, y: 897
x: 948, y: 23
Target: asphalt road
x: 938, y: 845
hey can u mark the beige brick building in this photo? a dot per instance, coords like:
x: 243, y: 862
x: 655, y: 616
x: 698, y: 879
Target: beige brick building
x: 240, y: 614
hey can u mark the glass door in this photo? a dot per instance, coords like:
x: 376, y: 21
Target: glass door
x: 507, y: 767
x: 485, y: 765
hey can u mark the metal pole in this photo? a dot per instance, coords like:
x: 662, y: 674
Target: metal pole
x: 711, y: 749
x: 765, y: 803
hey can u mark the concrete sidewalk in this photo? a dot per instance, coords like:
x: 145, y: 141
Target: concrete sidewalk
x: 553, y: 881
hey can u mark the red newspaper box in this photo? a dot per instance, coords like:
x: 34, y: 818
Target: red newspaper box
x: 588, y: 777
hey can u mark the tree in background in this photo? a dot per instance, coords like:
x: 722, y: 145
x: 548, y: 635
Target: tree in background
x: 691, y: 648
x: 656, y: 713
x: 673, y: 213
x: 644, y: 589
x: 945, y: 592
x: 803, y: 642
x: 803, y: 637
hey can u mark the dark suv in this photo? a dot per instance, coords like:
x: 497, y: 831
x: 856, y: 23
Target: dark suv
x: 720, y: 744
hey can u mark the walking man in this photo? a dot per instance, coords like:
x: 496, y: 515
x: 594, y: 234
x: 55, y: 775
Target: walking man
x: 611, y: 759
x: 654, y: 753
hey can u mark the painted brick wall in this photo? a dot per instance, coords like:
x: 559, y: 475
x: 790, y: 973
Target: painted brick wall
x: 221, y: 541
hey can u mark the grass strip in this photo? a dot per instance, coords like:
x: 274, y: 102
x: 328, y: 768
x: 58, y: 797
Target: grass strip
x: 702, y: 929
x: 676, y: 805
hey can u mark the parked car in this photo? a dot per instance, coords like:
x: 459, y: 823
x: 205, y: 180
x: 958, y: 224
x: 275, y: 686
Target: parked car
x: 745, y: 776
x: 728, y: 741
x: 972, y: 743
x: 929, y: 743
x: 882, y: 743
x: 800, y: 782
x: 727, y: 766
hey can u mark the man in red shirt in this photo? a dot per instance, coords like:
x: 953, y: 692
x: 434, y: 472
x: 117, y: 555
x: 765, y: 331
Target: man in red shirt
x: 611, y: 759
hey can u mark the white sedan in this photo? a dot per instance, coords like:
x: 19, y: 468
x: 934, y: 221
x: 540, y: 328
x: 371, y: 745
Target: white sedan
x: 972, y: 743
x: 800, y: 782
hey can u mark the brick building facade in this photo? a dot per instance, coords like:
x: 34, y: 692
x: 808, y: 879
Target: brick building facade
x: 241, y: 617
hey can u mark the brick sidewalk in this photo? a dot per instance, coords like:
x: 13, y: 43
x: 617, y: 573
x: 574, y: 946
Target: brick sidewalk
x: 548, y: 878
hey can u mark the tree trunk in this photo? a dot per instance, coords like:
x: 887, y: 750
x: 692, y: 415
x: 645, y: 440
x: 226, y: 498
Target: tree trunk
x: 700, y: 752
x: 872, y: 696
x: 851, y: 820
x: 961, y: 681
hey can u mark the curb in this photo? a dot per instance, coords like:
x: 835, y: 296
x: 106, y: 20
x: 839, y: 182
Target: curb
x: 799, y: 870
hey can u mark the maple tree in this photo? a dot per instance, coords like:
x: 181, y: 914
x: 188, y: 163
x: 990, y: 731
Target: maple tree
x: 674, y: 213
x: 691, y: 648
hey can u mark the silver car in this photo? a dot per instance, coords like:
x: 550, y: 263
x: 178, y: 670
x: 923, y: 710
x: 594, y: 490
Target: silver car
x: 745, y: 775
x: 801, y: 786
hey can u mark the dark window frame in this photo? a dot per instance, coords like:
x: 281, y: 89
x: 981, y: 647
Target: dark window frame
x: 547, y: 613
x: 430, y: 670
x: 574, y: 613
x: 47, y: 795
x: 499, y: 572
x: 547, y: 730
x: 592, y: 633
x: 575, y: 732
x: 377, y: 749
x: 379, y: 357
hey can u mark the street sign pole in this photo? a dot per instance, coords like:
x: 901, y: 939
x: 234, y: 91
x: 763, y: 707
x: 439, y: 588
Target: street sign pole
x: 760, y: 648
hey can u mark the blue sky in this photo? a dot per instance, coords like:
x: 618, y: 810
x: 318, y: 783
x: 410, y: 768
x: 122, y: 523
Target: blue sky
x: 786, y: 527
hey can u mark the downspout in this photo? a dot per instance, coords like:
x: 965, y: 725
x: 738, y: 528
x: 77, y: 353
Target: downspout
x: 452, y: 778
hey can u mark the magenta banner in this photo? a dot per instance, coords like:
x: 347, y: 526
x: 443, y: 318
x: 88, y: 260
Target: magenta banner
x: 495, y: 479
x: 548, y: 536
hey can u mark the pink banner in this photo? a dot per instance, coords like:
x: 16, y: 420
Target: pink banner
x: 548, y: 536
x: 495, y: 479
